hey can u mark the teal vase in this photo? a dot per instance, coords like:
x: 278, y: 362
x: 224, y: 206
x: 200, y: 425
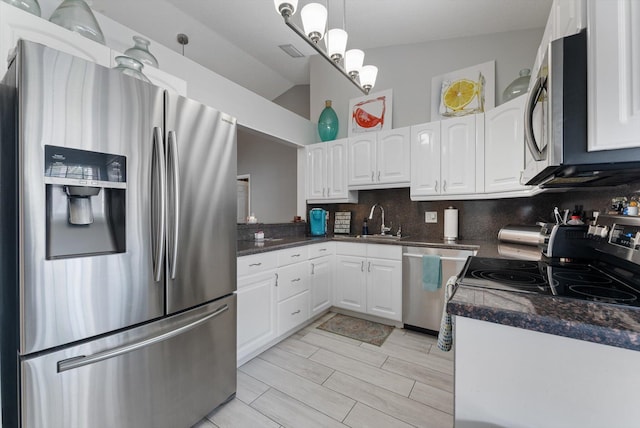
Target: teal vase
x: 328, y: 123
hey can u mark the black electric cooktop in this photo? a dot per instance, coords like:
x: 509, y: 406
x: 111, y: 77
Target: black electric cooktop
x: 595, y: 281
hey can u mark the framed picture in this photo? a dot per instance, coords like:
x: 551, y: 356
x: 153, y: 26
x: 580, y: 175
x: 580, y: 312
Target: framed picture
x: 461, y: 92
x: 372, y: 112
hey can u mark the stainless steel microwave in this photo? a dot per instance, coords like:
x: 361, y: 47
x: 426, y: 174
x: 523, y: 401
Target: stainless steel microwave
x: 559, y: 91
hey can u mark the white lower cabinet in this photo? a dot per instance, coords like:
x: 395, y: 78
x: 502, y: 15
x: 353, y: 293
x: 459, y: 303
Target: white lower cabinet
x: 368, y: 279
x: 256, y: 312
x: 292, y: 312
x: 321, y: 265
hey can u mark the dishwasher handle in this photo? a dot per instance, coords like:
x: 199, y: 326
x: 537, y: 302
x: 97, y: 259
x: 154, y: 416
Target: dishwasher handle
x: 443, y: 258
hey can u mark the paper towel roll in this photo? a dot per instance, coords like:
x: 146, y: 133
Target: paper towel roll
x: 451, y: 224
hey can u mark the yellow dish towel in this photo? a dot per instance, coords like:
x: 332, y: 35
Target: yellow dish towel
x: 445, y: 335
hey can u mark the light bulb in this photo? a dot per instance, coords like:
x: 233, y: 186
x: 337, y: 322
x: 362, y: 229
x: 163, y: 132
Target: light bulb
x: 368, y: 75
x: 353, y: 60
x: 314, y: 20
x: 336, y: 40
x: 286, y: 7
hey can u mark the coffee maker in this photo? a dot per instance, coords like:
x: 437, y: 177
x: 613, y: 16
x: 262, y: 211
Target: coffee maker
x: 318, y: 219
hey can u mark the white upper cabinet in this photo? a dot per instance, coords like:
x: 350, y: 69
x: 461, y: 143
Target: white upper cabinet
x: 447, y: 158
x: 17, y: 24
x: 380, y: 160
x: 459, y: 155
x: 504, y: 146
x: 425, y: 159
x: 327, y: 172
x: 614, y: 74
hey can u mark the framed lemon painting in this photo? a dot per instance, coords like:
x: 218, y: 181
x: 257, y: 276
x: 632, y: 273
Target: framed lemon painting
x: 372, y: 112
x: 467, y: 91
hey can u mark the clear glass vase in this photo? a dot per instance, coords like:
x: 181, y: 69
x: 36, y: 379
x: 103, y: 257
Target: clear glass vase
x: 328, y: 123
x: 140, y: 51
x: 76, y: 15
x: 131, y: 67
x: 518, y: 86
x: 30, y: 6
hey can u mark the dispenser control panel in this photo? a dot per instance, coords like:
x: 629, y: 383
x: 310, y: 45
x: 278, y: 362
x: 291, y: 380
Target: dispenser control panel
x: 75, y: 167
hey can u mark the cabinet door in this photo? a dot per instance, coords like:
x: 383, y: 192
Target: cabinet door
x: 350, y: 288
x: 316, y: 171
x: 613, y: 75
x: 256, y: 312
x: 17, y: 24
x: 425, y: 159
x: 337, y: 168
x: 504, y: 146
x: 393, y: 156
x: 384, y: 288
x: 568, y: 17
x: 362, y: 159
x: 321, y: 272
x: 458, y: 157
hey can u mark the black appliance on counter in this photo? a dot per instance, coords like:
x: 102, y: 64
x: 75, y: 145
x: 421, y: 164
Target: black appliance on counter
x: 599, y: 263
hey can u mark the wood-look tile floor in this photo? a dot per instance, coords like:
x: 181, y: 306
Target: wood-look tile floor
x: 319, y: 379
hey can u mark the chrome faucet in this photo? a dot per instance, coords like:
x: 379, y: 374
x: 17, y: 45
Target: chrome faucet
x: 383, y: 228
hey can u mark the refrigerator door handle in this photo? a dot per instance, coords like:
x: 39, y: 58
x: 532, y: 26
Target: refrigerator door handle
x: 175, y: 176
x: 160, y: 166
x: 84, y: 360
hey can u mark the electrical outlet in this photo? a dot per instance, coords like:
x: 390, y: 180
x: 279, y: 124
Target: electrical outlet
x: 430, y: 216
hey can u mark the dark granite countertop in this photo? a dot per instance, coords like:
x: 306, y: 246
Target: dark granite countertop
x: 248, y: 247
x: 602, y: 323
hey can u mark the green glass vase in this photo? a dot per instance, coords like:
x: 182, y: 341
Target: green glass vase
x: 328, y: 123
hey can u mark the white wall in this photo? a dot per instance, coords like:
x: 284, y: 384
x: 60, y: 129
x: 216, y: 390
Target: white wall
x: 296, y: 100
x: 408, y: 71
x: 273, y: 170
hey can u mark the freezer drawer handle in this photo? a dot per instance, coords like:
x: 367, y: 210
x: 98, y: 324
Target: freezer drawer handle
x: 83, y: 360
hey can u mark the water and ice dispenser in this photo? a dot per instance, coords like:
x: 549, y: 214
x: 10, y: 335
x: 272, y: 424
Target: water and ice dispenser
x: 85, y: 194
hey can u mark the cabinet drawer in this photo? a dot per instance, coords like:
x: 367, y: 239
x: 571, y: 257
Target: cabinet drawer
x: 292, y: 279
x: 292, y: 255
x: 319, y: 250
x: 248, y: 265
x: 351, y: 249
x: 384, y: 251
x: 293, y: 312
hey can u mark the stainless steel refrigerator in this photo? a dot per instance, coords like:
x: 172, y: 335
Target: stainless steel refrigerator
x: 118, y: 248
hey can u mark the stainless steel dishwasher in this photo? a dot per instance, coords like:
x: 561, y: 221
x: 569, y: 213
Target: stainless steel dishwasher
x: 422, y: 310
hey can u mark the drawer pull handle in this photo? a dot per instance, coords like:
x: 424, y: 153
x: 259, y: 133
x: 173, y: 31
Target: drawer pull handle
x: 295, y: 280
x: 295, y: 255
x: 296, y: 312
x: 322, y: 249
x: 255, y: 264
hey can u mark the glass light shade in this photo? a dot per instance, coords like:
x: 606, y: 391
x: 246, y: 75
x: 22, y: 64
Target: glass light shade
x: 289, y: 5
x: 314, y: 20
x: 368, y: 75
x: 336, y: 40
x: 353, y: 60
x: 76, y: 15
x: 30, y: 6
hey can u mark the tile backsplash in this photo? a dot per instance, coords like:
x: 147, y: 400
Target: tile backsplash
x: 477, y: 219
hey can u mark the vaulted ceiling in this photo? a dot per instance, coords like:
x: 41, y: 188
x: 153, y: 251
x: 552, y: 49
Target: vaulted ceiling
x: 239, y: 39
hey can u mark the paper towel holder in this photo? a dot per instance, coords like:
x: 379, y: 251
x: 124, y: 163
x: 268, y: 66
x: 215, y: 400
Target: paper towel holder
x: 451, y: 224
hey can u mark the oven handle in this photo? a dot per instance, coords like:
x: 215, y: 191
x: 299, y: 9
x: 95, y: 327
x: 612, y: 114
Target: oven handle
x: 538, y: 86
x: 443, y: 258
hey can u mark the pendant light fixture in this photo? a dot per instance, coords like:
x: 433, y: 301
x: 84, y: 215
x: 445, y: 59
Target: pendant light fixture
x: 314, y: 22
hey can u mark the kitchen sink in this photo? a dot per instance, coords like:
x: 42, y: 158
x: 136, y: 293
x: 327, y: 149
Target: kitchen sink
x: 376, y: 237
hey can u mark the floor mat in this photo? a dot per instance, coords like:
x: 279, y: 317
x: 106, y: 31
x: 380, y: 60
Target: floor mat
x: 358, y: 329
